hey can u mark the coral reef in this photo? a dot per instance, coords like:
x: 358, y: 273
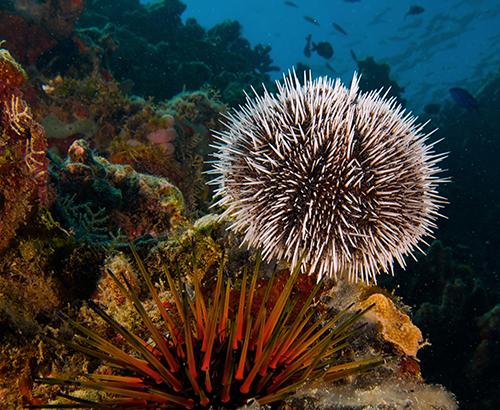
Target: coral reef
x: 35, y: 28
x: 92, y: 107
x: 130, y: 130
x: 186, y: 122
x: 377, y: 75
x: 396, y: 326
x: 449, y: 299
x: 65, y: 222
x: 76, y: 38
x: 219, y: 56
x: 23, y: 165
x: 456, y: 285
x: 57, y: 17
x: 482, y: 372
x: 100, y: 201
x: 42, y: 269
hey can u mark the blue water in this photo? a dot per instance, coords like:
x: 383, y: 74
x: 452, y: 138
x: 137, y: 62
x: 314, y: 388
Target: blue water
x: 452, y: 43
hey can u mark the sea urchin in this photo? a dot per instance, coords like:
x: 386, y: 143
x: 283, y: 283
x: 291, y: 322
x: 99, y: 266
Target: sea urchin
x: 340, y: 176
x: 214, y: 348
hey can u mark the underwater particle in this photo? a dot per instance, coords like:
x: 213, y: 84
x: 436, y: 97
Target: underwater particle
x: 218, y: 348
x: 341, y: 176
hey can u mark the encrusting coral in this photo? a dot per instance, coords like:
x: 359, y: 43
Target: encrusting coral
x: 390, y: 394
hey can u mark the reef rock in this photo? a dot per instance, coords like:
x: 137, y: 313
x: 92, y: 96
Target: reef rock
x: 395, y: 326
x: 23, y: 164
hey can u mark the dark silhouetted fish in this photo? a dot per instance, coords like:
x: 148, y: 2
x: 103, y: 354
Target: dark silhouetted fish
x: 311, y: 20
x: 291, y: 4
x: 352, y: 1
x: 353, y: 55
x: 339, y: 28
x: 432, y: 108
x: 330, y: 68
x: 463, y: 98
x: 323, y: 48
x: 414, y: 9
x: 307, y: 48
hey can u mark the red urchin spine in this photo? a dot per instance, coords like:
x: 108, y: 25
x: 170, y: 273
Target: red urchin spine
x: 262, y: 355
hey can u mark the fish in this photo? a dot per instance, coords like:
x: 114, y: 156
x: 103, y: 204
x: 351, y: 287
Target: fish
x: 311, y: 20
x: 432, y: 108
x: 353, y: 55
x: 290, y: 4
x: 339, y: 28
x: 329, y: 67
x: 307, y: 48
x: 414, y: 9
x: 352, y: 1
x: 464, y: 98
x: 323, y: 48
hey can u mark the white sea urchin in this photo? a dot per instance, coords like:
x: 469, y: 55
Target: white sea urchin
x: 341, y: 176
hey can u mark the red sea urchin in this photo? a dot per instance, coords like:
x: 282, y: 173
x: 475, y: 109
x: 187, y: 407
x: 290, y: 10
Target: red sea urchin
x: 218, y: 348
x: 343, y: 176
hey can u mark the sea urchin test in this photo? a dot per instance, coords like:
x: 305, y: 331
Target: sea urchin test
x: 341, y: 177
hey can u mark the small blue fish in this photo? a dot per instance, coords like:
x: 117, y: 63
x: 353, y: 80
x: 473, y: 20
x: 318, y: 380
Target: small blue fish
x: 354, y: 56
x: 311, y: 20
x: 415, y: 10
x: 307, y: 48
x: 463, y: 98
x: 339, y: 28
